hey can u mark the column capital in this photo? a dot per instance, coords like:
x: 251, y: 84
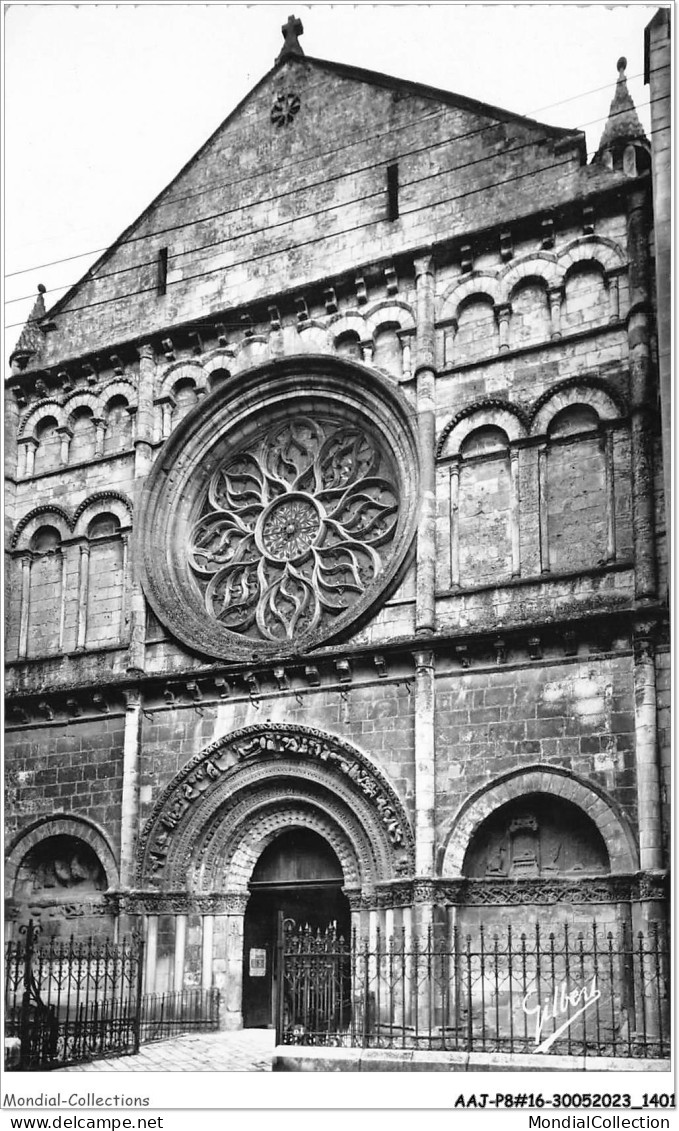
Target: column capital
x: 146, y: 352
x: 424, y: 265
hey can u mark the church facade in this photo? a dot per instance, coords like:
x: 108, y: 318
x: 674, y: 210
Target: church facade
x: 337, y: 576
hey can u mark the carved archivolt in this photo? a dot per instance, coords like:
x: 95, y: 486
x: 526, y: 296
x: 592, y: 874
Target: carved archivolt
x: 263, y: 778
x: 281, y: 510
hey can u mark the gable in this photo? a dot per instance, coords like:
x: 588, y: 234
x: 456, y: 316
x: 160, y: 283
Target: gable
x: 292, y: 188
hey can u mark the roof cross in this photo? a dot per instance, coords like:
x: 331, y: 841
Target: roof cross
x: 291, y: 32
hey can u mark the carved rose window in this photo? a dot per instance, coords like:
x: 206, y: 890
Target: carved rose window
x: 296, y: 526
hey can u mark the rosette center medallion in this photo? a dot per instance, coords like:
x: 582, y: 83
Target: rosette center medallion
x: 295, y: 528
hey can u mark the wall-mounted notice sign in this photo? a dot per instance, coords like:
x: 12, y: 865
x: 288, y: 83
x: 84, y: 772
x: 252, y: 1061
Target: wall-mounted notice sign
x: 257, y: 963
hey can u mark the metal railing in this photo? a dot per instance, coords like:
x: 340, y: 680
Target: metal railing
x: 585, y: 992
x: 69, y: 1001
x: 184, y: 1011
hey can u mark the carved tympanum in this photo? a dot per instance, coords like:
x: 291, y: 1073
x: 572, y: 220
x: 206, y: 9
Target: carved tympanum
x: 296, y: 526
x: 58, y: 866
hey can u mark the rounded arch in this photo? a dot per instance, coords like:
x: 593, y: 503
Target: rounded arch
x: 493, y: 413
x: 481, y: 284
x: 315, y: 337
x: 115, y: 389
x: 603, y: 251
x: 44, y: 410
x: 80, y: 404
x: 103, y: 501
x: 577, y: 391
x: 394, y: 314
x: 348, y: 322
x: 217, y: 366
x: 539, y: 266
x: 233, y: 856
x: 40, y: 516
x: 181, y: 371
x: 60, y: 824
x: 254, y: 350
x: 600, y: 808
x: 273, y: 770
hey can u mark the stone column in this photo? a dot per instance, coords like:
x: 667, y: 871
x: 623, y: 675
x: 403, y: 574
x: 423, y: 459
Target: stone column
x: 179, y: 952
x: 607, y: 446
x: 83, y: 587
x: 647, y: 761
x: 503, y: 314
x: 143, y: 458
x: 544, y: 519
x: 613, y: 297
x: 515, y: 512
x: 555, y: 301
x: 641, y: 388
x: 151, y: 954
x: 25, y: 604
x: 66, y: 437
x: 426, y: 418
x: 99, y: 434
x: 424, y: 764
x: 455, y: 525
x: 233, y: 1000
x: 449, y: 335
x: 27, y: 450
x: 129, y: 824
x: 404, y: 337
x: 207, y: 951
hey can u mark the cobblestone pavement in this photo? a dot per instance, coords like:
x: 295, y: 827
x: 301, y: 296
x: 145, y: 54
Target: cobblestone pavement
x: 246, y: 1050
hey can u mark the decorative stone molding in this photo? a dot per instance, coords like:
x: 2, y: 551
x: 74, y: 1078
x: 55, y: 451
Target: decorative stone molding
x: 606, y: 401
x: 274, y: 766
x: 490, y: 411
x: 68, y: 522
x: 543, y: 892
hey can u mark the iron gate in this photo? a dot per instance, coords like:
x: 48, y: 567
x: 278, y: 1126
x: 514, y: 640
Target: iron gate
x: 590, y: 992
x: 69, y: 1001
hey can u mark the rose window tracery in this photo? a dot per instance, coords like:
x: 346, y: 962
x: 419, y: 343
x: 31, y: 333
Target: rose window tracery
x: 296, y: 526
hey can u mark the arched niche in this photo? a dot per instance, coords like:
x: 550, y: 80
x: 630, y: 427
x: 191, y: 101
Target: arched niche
x: 579, y: 507
x: 486, y: 508
x: 45, y: 592
x: 103, y: 610
x: 48, y: 451
x: 536, y: 835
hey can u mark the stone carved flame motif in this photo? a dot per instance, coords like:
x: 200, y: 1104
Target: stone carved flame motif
x: 295, y: 530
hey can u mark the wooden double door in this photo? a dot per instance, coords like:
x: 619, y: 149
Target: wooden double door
x: 299, y: 876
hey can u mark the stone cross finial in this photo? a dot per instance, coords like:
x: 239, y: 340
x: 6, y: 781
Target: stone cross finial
x: 291, y: 32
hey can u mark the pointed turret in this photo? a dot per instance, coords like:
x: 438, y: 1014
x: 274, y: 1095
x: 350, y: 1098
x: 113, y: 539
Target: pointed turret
x: 31, y: 337
x: 623, y: 140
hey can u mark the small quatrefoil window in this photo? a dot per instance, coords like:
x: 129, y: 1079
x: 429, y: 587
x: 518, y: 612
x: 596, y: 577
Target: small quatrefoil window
x: 284, y: 109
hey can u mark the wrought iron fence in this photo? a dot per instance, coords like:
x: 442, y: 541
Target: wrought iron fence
x: 590, y: 992
x: 185, y: 1011
x: 70, y: 1001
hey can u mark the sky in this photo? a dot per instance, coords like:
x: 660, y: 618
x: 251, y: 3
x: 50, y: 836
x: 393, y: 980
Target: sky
x: 104, y: 103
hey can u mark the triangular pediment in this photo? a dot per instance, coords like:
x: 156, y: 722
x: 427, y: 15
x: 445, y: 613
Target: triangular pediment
x: 291, y: 186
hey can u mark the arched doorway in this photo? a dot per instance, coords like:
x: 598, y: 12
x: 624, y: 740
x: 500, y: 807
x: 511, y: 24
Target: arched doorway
x: 299, y: 877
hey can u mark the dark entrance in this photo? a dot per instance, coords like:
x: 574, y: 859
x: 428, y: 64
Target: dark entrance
x: 300, y: 876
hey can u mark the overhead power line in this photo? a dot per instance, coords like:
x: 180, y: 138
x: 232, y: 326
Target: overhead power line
x: 285, y: 223
x: 319, y: 156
